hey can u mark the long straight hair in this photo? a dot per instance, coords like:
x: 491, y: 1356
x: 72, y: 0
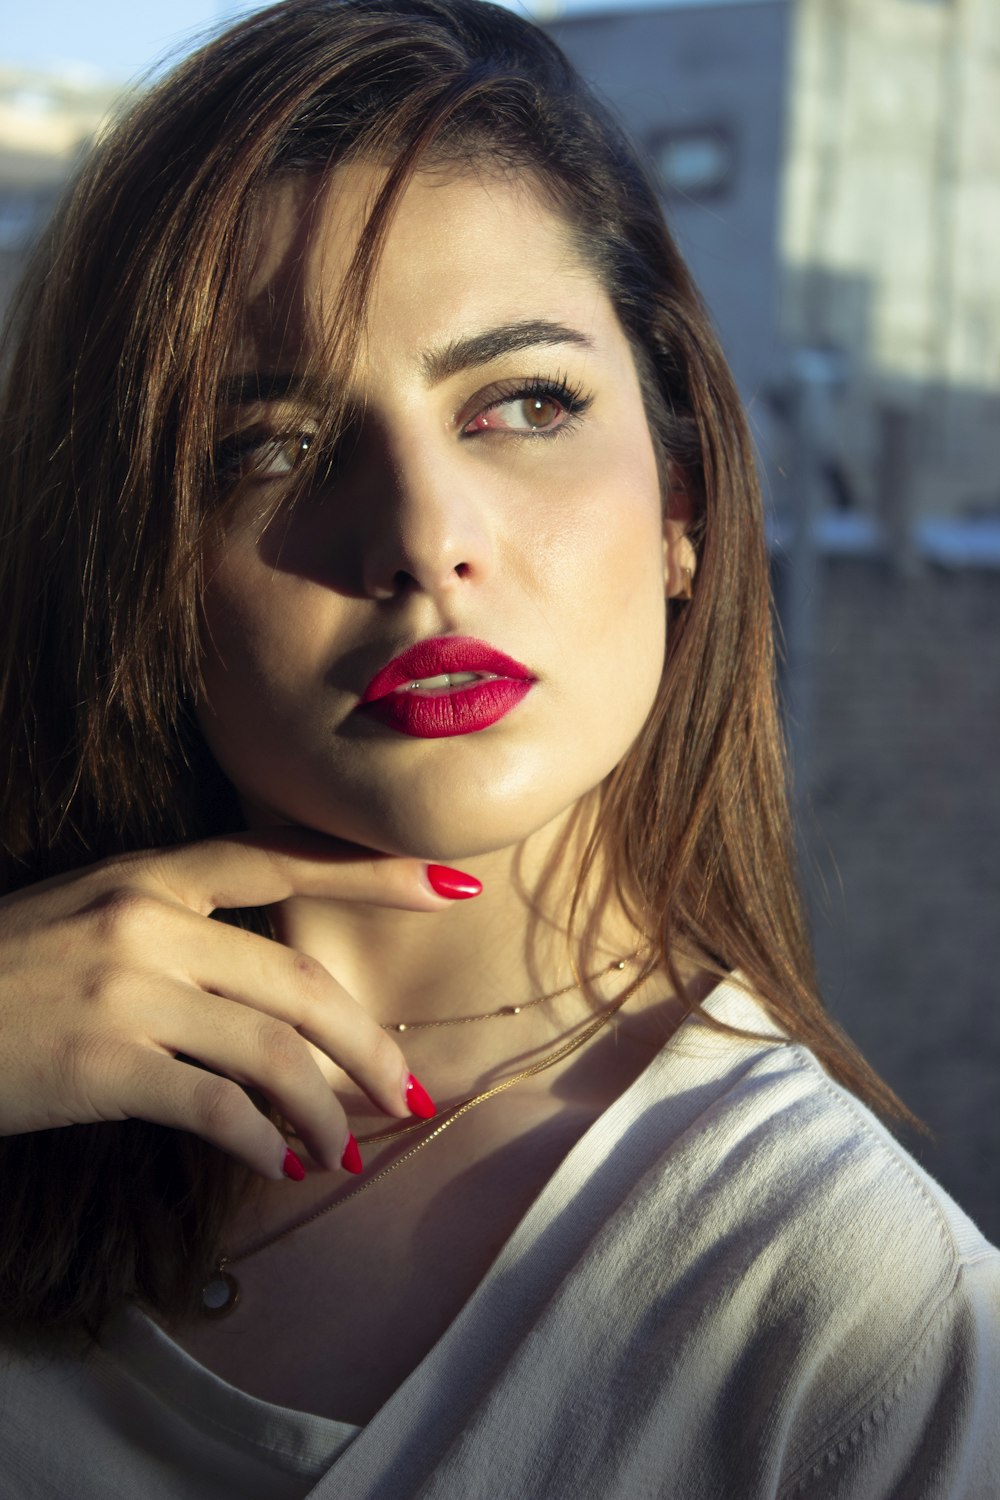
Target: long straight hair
x: 118, y: 345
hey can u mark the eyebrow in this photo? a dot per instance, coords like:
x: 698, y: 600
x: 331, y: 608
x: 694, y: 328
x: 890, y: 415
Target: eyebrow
x: 491, y: 343
x: 439, y: 364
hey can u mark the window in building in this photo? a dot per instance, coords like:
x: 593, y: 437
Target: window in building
x: 695, y: 163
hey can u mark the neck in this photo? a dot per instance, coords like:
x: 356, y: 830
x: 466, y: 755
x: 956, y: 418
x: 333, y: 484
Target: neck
x: 505, y: 947
x: 508, y: 946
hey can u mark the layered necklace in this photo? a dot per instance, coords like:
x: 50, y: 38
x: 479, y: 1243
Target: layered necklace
x: 221, y: 1291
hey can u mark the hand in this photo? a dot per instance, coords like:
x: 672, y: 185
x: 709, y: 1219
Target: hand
x: 110, y: 976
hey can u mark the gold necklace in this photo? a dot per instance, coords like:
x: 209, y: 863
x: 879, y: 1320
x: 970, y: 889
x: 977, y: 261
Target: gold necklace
x: 221, y: 1292
x: 510, y: 1010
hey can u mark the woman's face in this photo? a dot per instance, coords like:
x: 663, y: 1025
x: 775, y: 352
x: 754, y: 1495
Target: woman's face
x: 498, y: 484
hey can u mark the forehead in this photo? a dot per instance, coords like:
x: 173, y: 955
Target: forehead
x: 460, y: 250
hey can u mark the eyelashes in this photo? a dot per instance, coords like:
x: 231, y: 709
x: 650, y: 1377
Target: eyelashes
x: 545, y: 407
x: 571, y: 400
x: 258, y: 452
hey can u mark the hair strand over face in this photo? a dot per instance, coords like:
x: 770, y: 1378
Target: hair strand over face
x: 118, y: 347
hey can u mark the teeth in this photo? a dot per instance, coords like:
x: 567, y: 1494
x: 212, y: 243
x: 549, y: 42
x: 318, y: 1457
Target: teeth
x: 445, y: 680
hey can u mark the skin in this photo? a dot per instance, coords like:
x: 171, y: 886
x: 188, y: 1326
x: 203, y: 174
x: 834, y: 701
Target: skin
x: 452, y: 516
x: 449, y: 516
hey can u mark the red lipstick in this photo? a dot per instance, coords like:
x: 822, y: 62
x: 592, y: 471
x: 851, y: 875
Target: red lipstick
x: 409, y: 695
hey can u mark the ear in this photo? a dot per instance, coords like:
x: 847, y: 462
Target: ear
x: 679, y: 559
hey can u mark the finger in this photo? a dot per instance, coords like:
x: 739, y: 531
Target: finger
x: 291, y: 987
x: 258, y: 869
x: 166, y: 1091
x: 261, y: 1052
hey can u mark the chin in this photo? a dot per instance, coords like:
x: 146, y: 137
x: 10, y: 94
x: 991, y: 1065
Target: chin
x: 442, y: 802
x: 445, y: 829
x: 444, y: 840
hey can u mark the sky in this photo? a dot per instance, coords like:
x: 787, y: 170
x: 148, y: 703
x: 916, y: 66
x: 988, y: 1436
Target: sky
x: 120, y: 39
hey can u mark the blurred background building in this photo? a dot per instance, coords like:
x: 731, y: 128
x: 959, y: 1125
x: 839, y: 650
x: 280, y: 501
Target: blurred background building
x: 831, y: 169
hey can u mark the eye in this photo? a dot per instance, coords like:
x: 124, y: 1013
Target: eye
x: 258, y: 455
x: 528, y: 414
x: 539, y: 409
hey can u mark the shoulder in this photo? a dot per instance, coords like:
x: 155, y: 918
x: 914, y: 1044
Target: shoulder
x: 862, y: 1305
x: 798, y: 1150
x: 901, y: 1293
x: 821, y: 1192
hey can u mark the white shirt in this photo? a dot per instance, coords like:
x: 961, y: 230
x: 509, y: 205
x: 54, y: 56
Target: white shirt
x: 736, y: 1285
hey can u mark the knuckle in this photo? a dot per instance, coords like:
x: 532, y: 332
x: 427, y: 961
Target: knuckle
x: 76, y: 1053
x: 84, y: 1058
x: 110, y: 989
x: 131, y: 864
x: 310, y: 978
x: 219, y: 1105
x: 122, y: 915
x: 313, y: 990
x: 280, y: 1046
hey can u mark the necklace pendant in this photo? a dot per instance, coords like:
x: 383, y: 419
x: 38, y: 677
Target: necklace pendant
x: 220, y: 1294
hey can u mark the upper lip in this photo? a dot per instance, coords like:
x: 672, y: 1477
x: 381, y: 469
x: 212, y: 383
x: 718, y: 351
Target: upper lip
x: 432, y: 658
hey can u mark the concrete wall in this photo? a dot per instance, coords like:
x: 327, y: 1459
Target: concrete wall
x: 862, y: 217
x: 890, y: 222
x: 893, y: 174
x: 902, y: 828
x: 714, y: 70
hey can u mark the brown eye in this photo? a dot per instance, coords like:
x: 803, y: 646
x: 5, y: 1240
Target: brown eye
x: 254, y: 455
x: 521, y: 414
x: 540, y: 411
x: 538, y: 408
x: 279, y: 456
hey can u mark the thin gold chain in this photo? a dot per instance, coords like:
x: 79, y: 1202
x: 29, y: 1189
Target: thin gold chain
x: 509, y: 1010
x: 455, y: 1111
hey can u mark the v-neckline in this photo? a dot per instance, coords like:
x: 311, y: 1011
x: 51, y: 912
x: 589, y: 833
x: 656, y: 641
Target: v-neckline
x: 324, y: 1446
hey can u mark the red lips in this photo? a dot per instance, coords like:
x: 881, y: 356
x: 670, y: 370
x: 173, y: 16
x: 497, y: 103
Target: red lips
x: 436, y: 713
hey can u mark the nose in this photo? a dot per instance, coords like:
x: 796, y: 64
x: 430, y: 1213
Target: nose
x: 429, y: 528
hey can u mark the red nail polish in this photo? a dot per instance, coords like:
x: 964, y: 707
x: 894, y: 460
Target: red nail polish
x: 351, y: 1159
x: 419, y: 1101
x: 292, y: 1167
x: 453, y: 883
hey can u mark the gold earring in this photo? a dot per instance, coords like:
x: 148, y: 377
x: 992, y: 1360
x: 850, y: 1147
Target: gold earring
x: 686, y: 590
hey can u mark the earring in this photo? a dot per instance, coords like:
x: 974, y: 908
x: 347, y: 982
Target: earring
x: 686, y: 591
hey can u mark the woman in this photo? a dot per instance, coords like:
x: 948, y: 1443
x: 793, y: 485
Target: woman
x: 389, y: 693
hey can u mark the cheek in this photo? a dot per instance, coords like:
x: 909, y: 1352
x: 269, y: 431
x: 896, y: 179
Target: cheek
x: 611, y: 537
x: 228, y: 629
x: 255, y: 636
x: 253, y: 608
x: 612, y: 604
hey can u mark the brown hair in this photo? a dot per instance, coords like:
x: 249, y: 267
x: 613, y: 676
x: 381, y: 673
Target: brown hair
x: 118, y: 343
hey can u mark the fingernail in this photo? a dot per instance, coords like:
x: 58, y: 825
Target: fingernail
x: 418, y: 1100
x: 351, y: 1159
x: 453, y: 883
x: 292, y: 1167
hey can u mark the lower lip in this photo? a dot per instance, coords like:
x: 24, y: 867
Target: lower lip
x: 435, y: 716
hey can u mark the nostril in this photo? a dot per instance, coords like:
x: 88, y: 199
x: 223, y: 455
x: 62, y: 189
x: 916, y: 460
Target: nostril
x: 403, y: 581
